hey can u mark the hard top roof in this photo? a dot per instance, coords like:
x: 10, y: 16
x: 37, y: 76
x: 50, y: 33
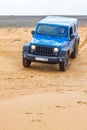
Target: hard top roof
x: 57, y: 20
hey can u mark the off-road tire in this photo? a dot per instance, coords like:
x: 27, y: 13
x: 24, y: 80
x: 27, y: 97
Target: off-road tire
x: 75, y: 52
x: 64, y: 65
x: 26, y: 62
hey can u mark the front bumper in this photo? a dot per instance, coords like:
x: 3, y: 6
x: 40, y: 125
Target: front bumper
x: 44, y: 59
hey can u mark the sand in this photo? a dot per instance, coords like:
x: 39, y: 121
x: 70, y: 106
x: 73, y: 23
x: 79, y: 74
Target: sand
x: 41, y: 97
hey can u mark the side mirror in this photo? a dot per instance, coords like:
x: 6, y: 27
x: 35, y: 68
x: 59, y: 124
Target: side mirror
x: 72, y: 36
x: 33, y: 32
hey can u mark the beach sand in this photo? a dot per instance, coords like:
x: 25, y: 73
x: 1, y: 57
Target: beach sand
x: 41, y: 97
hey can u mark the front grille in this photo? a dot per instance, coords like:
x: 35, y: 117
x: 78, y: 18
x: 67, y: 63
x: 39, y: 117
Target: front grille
x: 44, y: 50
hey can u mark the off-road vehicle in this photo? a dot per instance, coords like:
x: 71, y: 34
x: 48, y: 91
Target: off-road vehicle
x: 55, y: 39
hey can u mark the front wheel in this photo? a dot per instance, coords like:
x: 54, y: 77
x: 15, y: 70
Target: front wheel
x: 64, y: 65
x: 26, y: 62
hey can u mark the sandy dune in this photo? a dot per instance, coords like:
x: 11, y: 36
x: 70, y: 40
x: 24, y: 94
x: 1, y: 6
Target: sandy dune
x: 41, y: 97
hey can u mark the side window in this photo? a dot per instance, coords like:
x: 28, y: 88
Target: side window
x: 71, y: 30
x: 74, y: 28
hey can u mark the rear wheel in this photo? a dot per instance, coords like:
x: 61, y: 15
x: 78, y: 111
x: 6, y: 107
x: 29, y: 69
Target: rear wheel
x: 26, y: 62
x: 75, y: 52
x: 64, y: 65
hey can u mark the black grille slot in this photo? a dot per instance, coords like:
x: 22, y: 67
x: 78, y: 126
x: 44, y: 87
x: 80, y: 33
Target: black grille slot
x: 44, y: 50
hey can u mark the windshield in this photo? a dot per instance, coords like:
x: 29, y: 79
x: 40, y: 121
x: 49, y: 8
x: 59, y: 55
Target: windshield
x: 59, y: 31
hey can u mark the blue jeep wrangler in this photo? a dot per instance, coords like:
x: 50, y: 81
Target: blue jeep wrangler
x: 54, y: 41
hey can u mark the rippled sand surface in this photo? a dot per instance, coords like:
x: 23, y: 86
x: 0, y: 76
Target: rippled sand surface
x: 41, y: 97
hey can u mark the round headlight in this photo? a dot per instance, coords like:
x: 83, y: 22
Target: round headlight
x: 55, y: 50
x: 33, y: 47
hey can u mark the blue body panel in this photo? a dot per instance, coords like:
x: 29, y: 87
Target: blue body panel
x: 49, y: 40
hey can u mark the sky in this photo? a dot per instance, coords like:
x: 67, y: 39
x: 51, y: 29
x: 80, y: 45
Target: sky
x: 43, y: 7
